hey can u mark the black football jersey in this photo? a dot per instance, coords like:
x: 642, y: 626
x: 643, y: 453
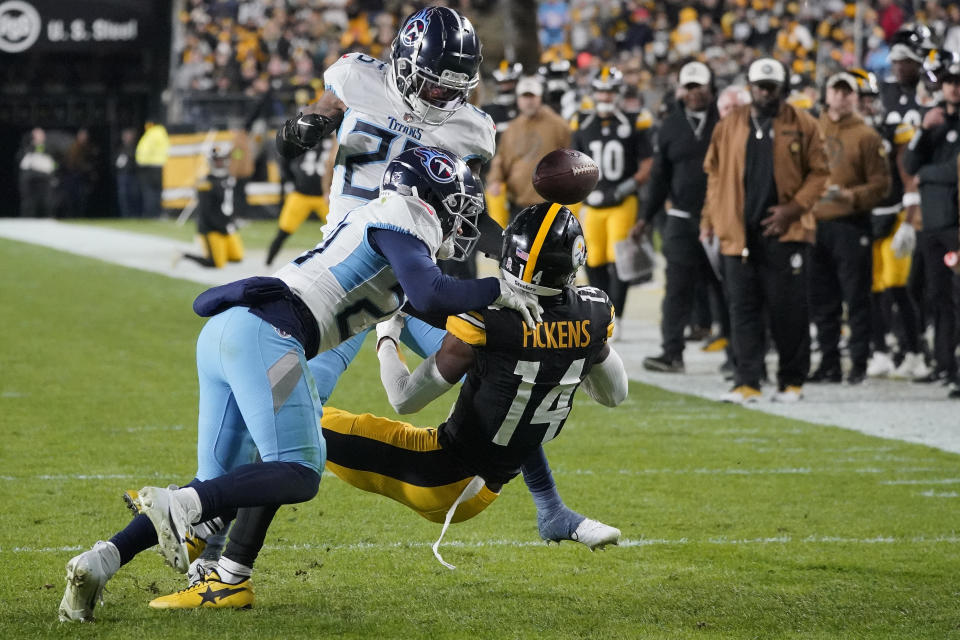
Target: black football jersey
x: 307, y: 171
x: 903, y: 115
x: 215, y: 202
x: 617, y: 143
x: 520, y: 391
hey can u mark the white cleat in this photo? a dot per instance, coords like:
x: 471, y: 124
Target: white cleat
x: 913, y: 366
x: 87, y: 574
x: 595, y: 535
x: 170, y: 521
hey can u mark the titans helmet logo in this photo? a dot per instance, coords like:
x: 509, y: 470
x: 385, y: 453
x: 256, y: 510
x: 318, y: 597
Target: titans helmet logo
x: 439, y: 166
x: 413, y: 31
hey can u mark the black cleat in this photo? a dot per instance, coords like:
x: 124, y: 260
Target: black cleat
x: 831, y: 375
x: 664, y: 364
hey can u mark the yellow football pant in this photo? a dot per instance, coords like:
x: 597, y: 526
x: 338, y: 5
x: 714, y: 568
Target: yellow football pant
x: 888, y: 270
x: 603, y: 228
x: 400, y: 461
x: 297, y: 208
x: 222, y: 247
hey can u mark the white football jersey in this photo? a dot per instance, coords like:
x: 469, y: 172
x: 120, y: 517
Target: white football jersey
x: 347, y: 285
x: 375, y: 129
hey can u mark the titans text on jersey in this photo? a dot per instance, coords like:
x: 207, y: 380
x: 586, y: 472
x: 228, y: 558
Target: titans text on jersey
x: 377, y: 126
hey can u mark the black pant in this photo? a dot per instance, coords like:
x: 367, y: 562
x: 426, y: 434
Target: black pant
x: 687, y: 266
x: 773, y: 276
x: 151, y: 190
x: 939, y: 292
x: 841, y: 271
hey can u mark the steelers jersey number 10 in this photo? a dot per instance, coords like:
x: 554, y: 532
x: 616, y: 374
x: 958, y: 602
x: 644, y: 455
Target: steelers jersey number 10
x: 609, y: 156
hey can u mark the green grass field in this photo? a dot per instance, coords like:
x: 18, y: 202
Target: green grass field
x: 736, y: 524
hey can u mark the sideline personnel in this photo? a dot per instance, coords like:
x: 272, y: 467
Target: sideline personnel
x: 841, y: 262
x: 766, y: 168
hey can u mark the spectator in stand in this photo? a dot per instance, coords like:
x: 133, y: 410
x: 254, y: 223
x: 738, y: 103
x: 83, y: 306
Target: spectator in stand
x: 151, y: 155
x: 37, y: 177
x: 534, y: 133
x: 890, y: 17
x: 125, y: 164
x: 766, y: 168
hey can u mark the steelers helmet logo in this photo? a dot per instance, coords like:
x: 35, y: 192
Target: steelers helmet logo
x: 579, y: 252
x: 439, y: 166
x: 413, y: 32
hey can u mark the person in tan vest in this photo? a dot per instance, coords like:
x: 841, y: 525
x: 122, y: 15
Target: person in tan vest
x: 841, y: 262
x: 534, y: 133
x: 766, y: 168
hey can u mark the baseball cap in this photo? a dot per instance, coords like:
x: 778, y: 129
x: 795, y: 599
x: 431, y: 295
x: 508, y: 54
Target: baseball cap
x: 842, y: 78
x: 694, y: 73
x: 766, y: 70
x: 529, y: 85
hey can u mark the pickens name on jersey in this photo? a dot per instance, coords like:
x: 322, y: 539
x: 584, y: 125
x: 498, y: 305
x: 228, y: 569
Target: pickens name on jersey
x: 377, y: 126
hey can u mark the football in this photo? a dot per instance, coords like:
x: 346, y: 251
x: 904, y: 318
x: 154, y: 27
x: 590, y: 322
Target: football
x: 565, y: 176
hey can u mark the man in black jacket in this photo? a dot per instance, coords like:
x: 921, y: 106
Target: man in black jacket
x: 678, y: 174
x: 932, y: 157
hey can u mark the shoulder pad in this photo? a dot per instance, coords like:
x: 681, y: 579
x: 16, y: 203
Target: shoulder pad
x: 644, y: 120
x: 468, y: 327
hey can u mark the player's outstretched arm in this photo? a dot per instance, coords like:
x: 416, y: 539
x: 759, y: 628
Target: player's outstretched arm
x: 410, y: 392
x: 607, y: 381
x: 313, y: 124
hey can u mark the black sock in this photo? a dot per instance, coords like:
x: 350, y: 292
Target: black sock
x: 201, y: 260
x: 248, y: 532
x: 137, y: 536
x: 278, y: 241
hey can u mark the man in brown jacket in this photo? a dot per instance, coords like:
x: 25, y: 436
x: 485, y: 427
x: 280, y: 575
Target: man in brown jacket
x: 534, y: 133
x: 841, y: 262
x: 766, y: 168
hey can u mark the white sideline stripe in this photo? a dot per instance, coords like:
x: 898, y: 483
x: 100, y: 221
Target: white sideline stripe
x: 577, y: 472
x: 642, y: 542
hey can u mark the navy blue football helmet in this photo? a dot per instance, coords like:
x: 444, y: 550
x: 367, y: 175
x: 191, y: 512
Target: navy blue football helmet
x: 444, y: 181
x: 435, y: 62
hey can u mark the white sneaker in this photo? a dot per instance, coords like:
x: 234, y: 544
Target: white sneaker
x: 790, y: 394
x: 170, y: 521
x: 913, y: 366
x: 87, y: 574
x: 880, y: 365
x: 595, y: 535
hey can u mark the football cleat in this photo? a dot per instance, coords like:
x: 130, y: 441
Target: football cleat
x: 210, y: 593
x: 790, y: 393
x: 195, y: 544
x: 170, y: 521
x: 87, y: 574
x: 595, y: 535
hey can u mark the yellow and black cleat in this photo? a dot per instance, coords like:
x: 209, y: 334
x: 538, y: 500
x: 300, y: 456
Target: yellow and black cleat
x: 195, y: 545
x: 209, y: 593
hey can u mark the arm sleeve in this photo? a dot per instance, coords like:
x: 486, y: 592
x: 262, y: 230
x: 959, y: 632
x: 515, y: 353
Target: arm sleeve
x: 607, y: 381
x: 428, y: 289
x: 660, y: 179
x: 409, y: 392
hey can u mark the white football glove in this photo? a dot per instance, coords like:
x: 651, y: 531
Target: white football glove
x: 390, y: 329
x: 525, y: 303
x: 904, y: 240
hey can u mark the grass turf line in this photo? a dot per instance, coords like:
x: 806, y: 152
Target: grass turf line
x: 97, y: 377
